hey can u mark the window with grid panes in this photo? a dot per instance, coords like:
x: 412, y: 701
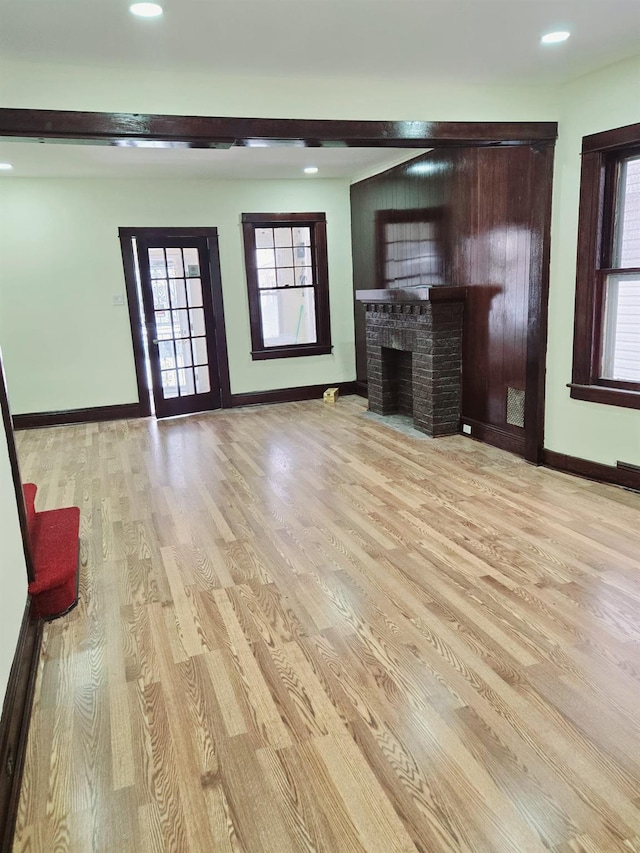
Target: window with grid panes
x: 288, y: 285
x: 606, y: 363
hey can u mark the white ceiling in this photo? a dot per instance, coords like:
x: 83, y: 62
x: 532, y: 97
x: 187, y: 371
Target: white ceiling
x: 464, y: 40
x: 35, y: 160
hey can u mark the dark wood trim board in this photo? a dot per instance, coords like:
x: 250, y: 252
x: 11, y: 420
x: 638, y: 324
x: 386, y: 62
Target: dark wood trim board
x: 496, y: 437
x: 291, y: 395
x: 621, y: 475
x: 34, y: 420
x: 14, y: 724
x: 15, y: 472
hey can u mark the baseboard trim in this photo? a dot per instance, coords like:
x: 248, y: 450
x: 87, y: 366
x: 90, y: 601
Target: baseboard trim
x: 496, y: 437
x: 35, y: 420
x: 616, y: 475
x: 290, y: 395
x: 362, y: 388
x: 14, y: 724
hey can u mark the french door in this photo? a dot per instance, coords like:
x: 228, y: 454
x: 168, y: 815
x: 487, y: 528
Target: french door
x: 175, y: 277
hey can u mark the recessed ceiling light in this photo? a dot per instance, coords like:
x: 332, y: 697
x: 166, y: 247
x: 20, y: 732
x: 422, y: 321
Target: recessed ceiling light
x: 311, y: 170
x: 146, y: 10
x: 6, y: 167
x: 554, y: 38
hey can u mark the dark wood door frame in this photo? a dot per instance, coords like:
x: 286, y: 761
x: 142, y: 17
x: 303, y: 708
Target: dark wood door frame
x: 136, y: 318
x: 15, y: 473
x: 95, y: 128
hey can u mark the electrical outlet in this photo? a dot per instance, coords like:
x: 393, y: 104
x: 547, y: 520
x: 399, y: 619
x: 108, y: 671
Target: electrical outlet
x: 118, y: 299
x: 466, y: 429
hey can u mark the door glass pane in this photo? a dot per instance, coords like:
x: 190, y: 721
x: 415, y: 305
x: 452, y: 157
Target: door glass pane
x: 301, y: 236
x: 174, y: 263
x: 284, y: 257
x: 185, y: 378
x: 264, y: 238
x: 194, y: 292
x: 199, y: 350
x: 191, y: 262
x: 166, y: 354
x: 169, y: 384
x: 156, y: 263
x: 178, y: 293
x: 285, y: 277
x: 197, y: 321
x: 160, y: 293
x: 203, y: 385
x: 288, y: 317
x: 303, y: 276
x: 183, y: 353
x: 282, y: 236
x: 180, y: 324
x: 163, y: 324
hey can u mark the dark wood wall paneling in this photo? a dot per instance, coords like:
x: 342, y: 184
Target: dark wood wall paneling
x: 400, y: 188
x: 496, y: 204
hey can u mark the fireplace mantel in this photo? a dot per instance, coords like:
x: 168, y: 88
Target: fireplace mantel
x: 404, y: 295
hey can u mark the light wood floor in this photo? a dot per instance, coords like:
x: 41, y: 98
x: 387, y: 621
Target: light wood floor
x: 300, y: 630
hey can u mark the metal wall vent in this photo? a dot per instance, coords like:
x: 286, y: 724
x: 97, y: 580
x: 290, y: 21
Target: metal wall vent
x: 515, y: 407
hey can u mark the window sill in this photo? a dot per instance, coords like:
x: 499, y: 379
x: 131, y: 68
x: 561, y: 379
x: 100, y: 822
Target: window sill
x: 610, y: 396
x: 291, y: 352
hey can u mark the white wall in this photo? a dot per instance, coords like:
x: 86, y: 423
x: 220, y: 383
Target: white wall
x: 67, y: 346
x: 130, y: 89
x: 13, y: 572
x: 601, y: 101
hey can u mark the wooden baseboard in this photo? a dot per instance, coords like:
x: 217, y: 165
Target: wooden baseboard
x: 362, y: 389
x: 77, y: 416
x: 14, y: 724
x: 496, y: 437
x: 621, y: 475
x: 291, y: 395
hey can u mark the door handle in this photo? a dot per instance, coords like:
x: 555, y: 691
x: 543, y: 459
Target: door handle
x: 154, y: 341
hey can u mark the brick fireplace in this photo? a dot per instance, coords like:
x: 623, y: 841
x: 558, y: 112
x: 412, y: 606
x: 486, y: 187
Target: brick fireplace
x: 414, y: 354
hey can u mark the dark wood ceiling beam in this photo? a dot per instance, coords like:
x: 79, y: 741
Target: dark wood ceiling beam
x: 222, y: 132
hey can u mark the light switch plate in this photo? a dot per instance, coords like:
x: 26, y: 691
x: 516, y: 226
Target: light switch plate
x: 118, y: 299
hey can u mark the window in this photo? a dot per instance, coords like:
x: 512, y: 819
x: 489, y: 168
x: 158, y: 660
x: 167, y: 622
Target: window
x: 606, y: 360
x: 288, y: 284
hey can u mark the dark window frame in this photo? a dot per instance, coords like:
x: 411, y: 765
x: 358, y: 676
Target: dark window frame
x: 601, y: 156
x: 317, y: 222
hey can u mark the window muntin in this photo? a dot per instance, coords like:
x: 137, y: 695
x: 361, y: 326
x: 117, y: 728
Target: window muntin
x: 287, y: 284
